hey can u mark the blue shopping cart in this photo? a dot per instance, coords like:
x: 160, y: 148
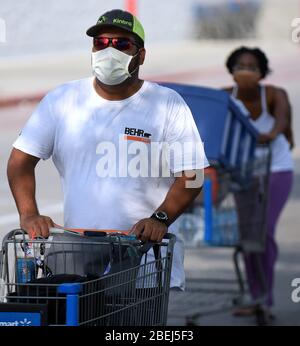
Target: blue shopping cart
x: 232, y: 205
x: 228, y: 136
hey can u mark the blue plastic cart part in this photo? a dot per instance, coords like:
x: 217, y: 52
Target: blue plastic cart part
x: 72, y: 302
x: 208, y: 207
x: 228, y: 136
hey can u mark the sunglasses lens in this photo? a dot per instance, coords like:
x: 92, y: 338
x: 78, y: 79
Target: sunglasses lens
x: 101, y: 42
x: 121, y: 43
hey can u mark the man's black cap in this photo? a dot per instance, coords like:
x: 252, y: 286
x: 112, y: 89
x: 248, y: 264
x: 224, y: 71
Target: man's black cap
x: 120, y: 19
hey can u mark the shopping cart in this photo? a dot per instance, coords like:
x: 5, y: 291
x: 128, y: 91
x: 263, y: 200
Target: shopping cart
x: 232, y: 210
x: 88, y: 278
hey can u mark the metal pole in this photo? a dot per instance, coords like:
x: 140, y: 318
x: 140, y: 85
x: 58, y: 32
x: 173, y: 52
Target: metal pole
x: 131, y: 6
x: 208, y: 210
x: 72, y: 302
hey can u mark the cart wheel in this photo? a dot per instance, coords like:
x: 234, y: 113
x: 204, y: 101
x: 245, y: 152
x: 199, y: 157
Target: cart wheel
x: 261, y: 316
x: 237, y: 301
x: 190, y: 322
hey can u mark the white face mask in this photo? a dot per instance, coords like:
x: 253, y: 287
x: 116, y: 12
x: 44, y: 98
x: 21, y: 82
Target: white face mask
x: 110, y: 65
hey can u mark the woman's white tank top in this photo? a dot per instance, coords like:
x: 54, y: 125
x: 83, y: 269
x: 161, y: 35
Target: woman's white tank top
x: 280, y: 147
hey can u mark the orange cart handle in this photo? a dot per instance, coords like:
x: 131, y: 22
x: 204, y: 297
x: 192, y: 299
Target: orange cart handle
x: 82, y: 230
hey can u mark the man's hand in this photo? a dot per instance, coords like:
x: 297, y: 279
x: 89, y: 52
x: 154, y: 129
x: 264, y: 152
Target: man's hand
x: 36, y: 225
x: 149, y: 229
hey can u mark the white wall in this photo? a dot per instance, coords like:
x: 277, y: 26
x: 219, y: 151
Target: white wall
x: 36, y: 26
x: 276, y: 18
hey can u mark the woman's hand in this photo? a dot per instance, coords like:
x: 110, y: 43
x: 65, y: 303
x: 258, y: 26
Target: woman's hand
x: 265, y: 138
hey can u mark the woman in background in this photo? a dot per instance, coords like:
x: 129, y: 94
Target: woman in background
x: 270, y: 113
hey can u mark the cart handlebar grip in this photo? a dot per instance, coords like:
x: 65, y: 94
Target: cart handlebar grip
x: 52, y: 231
x: 149, y: 244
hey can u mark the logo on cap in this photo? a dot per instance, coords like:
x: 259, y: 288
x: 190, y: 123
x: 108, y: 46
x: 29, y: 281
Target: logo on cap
x: 102, y: 19
x: 122, y: 21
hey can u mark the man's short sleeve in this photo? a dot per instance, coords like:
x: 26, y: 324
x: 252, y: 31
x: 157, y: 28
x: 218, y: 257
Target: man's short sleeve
x: 183, y: 138
x: 37, y: 136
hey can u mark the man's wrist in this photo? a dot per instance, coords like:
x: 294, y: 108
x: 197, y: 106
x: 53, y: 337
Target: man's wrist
x: 27, y: 215
x: 160, y: 216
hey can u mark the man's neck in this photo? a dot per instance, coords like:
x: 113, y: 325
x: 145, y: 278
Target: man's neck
x: 118, y: 92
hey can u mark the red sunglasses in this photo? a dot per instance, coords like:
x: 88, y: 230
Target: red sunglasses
x: 120, y: 43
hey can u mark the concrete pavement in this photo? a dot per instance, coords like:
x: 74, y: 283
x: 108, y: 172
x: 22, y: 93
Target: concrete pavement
x: 211, y: 284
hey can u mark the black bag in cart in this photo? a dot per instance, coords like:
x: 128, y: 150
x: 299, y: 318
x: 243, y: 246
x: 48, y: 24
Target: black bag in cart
x: 45, y: 291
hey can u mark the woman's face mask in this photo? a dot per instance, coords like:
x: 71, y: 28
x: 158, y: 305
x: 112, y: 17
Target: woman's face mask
x: 110, y: 66
x: 246, y: 79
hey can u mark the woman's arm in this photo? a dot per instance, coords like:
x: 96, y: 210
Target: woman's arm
x: 281, y: 110
x: 289, y: 131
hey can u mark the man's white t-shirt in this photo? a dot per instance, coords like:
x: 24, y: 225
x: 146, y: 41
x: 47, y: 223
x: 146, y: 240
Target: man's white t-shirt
x: 110, y: 156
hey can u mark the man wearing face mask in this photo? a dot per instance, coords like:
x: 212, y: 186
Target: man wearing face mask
x: 85, y: 124
x: 269, y: 111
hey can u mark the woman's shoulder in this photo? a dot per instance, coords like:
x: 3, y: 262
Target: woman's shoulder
x: 273, y: 89
x: 275, y: 93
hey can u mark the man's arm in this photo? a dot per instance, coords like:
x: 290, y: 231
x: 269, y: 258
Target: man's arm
x: 21, y: 178
x: 179, y: 197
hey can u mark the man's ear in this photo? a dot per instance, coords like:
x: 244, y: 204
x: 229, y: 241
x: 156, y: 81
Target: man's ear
x: 142, y: 56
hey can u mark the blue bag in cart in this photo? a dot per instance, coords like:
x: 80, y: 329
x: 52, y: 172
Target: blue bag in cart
x: 25, y: 270
x: 26, y: 264
x: 224, y: 229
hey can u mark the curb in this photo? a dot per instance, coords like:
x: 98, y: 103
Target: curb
x: 178, y: 77
x: 16, y: 100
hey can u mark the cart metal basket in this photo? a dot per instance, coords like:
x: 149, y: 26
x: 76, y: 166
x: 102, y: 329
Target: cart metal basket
x: 75, y: 279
